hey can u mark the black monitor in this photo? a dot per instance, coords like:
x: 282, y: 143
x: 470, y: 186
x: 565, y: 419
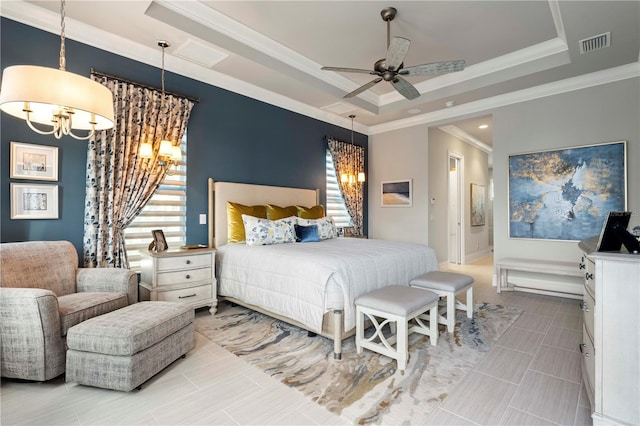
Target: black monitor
x: 614, y: 234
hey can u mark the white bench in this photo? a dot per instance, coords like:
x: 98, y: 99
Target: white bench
x: 551, y: 277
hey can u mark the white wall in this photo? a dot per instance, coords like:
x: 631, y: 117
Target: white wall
x: 420, y: 153
x: 476, y: 170
x: 604, y: 113
x: 397, y: 155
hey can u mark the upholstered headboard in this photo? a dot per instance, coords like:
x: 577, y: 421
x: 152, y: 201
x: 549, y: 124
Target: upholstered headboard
x: 248, y: 194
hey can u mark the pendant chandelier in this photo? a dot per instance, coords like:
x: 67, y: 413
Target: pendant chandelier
x: 56, y: 97
x: 168, y: 153
x: 353, y: 176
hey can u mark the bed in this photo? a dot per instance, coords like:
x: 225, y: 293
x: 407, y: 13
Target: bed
x: 310, y: 285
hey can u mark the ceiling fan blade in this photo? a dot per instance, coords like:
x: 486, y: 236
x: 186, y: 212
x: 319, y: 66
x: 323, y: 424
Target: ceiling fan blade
x: 363, y: 88
x: 433, y: 68
x: 398, y: 49
x: 405, y: 88
x: 339, y: 69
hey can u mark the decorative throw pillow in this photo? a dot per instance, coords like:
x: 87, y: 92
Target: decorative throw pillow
x: 261, y: 232
x: 315, y: 212
x: 276, y: 212
x: 307, y: 234
x: 326, y: 227
x: 235, y: 227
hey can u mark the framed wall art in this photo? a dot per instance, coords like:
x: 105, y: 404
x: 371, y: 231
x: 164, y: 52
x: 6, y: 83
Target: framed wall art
x: 35, y: 162
x: 159, y: 241
x: 397, y: 193
x: 478, y: 205
x: 34, y: 201
x: 566, y: 194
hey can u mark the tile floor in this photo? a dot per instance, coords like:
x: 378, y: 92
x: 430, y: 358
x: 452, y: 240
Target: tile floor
x: 531, y: 376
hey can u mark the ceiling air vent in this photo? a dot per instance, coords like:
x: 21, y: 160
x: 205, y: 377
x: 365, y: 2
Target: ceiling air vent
x: 595, y: 43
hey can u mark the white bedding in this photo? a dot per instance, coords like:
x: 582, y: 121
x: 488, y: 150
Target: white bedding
x: 302, y: 281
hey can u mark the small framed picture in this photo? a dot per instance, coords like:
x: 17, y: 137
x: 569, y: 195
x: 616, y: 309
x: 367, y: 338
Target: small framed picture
x: 36, y: 162
x: 478, y: 205
x: 397, y: 193
x: 159, y: 242
x: 30, y: 201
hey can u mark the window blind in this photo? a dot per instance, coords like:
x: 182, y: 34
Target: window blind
x: 166, y: 210
x: 336, y: 208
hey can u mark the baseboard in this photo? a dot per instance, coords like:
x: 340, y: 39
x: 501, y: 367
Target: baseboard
x: 472, y: 257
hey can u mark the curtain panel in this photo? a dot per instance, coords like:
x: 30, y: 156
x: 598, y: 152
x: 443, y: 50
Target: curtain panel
x: 349, y: 159
x: 119, y: 181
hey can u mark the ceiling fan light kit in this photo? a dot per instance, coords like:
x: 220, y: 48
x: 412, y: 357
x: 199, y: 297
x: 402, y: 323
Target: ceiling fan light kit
x: 391, y: 68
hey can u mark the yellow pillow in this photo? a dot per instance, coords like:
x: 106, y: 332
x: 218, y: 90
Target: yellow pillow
x: 235, y: 227
x: 315, y: 212
x: 276, y: 212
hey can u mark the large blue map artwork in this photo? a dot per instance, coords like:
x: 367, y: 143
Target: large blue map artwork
x: 565, y: 194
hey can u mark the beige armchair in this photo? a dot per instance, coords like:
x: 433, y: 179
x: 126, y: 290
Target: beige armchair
x: 43, y: 293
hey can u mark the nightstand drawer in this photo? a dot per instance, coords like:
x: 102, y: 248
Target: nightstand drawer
x: 183, y: 277
x: 588, y: 307
x: 182, y: 262
x: 588, y: 363
x: 186, y: 295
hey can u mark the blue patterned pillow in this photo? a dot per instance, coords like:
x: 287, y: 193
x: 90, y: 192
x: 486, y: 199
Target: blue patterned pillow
x: 326, y: 226
x: 307, y: 234
x: 261, y: 232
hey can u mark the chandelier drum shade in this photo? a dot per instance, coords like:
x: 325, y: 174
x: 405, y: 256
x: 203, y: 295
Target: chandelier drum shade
x: 41, y: 95
x: 56, y: 98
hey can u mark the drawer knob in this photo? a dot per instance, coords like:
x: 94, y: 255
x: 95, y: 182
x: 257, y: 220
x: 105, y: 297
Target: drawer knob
x: 582, y: 266
x: 588, y: 276
x: 584, y: 306
x: 188, y: 262
x: 184, y: 297
x: 188, y: 276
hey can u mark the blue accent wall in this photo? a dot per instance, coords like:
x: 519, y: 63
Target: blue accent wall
x: 230, y: 138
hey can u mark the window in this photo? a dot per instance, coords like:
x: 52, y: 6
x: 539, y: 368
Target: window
x: 336, y: 208
x: 166, y: 210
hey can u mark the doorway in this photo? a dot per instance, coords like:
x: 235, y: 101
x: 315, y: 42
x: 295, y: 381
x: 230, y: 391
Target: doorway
x: 455, y: 209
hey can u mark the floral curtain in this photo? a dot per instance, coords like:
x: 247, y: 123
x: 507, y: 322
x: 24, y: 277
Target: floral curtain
x: 119, y: 182
x: 348, y: 159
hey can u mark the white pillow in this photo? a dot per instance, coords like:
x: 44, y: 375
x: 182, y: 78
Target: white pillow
x: 326, y: 226
x: 260, y: 232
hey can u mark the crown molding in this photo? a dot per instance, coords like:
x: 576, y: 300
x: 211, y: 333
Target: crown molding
x: 611, y: 75
x: 233, y: 29
x: 457, y: 132
x: 46, y: 20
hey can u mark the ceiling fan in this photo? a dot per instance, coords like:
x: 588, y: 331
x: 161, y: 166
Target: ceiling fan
x: 392, y: 69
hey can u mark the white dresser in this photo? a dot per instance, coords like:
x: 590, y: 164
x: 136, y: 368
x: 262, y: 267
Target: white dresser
x: 185, y: 276
x: 611, y: 336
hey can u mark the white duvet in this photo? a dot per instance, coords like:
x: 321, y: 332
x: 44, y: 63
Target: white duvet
x: 302, y: 281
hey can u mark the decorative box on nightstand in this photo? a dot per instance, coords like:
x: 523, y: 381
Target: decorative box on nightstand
x: 185, y: 276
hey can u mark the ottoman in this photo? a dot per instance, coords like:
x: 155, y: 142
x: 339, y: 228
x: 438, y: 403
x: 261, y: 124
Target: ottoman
x: 123, y: 349
x: 448, y: 285
x: 396, y: 305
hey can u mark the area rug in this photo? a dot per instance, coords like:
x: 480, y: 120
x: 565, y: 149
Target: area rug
x: 365, y: 388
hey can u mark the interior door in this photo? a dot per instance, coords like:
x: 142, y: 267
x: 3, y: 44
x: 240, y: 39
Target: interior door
x: 455, y: 211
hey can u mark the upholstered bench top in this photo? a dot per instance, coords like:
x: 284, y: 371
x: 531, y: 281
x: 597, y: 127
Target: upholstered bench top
x: 442, y: 281
x: 397, y: 299
x: 130, y: 330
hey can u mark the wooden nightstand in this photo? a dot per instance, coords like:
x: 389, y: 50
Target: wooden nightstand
x: 185, y: 276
